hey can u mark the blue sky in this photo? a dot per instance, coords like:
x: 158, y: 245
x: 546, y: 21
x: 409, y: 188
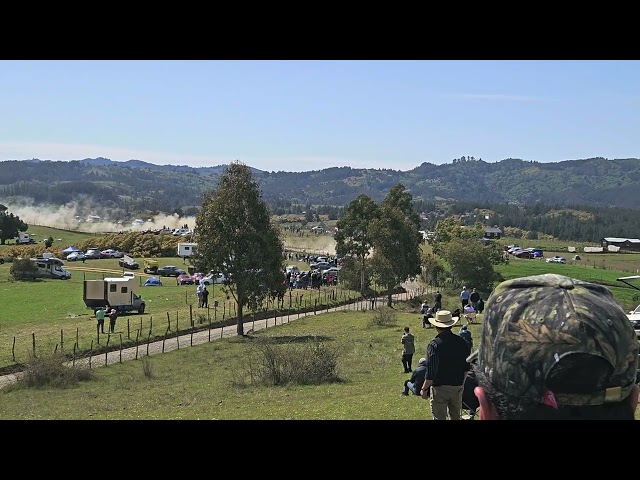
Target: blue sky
x: 309, y: 115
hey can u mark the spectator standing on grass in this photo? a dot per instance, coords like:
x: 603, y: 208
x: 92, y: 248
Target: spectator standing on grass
x: 205, y: 297
x: 113, y: 316
x: 199, y: 290
x: 464, y: 297
x: 555, y: 348
x: 408, y: 349
x: 437, y: 301
x: 447, y: 368
x: 100, y: 317
x: 473, y: 299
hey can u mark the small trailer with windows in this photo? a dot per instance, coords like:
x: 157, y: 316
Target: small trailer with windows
x: 116, y: 292
x: 186, y: 249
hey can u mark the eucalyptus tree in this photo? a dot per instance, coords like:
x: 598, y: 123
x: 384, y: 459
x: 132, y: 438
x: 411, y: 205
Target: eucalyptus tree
x: 235, y: 237
x: 354, y: 237
x: 396, y: 240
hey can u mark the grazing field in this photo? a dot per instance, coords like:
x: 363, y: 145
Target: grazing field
x: 53, y: 312
x: 217, y: 380
x: 222, y: 385
x: 61, y: 238
x: 218, y: 383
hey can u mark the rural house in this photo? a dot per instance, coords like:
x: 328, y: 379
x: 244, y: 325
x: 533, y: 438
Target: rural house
x: 493, y: 233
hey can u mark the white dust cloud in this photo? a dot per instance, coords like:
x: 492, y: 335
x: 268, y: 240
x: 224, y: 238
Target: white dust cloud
x: 83, y: 216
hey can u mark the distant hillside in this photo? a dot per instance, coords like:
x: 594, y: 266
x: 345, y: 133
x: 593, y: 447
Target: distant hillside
x: 138, y: 186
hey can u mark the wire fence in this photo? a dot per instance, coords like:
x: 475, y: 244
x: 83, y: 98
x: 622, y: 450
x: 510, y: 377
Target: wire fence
x: 133, y: 337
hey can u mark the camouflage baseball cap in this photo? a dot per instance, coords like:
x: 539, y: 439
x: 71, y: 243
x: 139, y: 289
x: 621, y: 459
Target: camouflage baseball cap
x: 532, y: 323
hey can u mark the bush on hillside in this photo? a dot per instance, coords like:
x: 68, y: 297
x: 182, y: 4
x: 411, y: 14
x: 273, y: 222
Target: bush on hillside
x: 23, y: 269
x: 53, y: 371
x: 305, y: 360
x: 383, y: 317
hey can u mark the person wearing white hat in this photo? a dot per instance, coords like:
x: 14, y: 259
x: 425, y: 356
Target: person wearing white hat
x: 447, y: 368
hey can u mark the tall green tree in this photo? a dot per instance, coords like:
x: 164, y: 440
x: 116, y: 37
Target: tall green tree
x: 354, y: 237
x: 235, y: 237
x: 10, y: 225
x: 396, y: 240
x: 470, y: 263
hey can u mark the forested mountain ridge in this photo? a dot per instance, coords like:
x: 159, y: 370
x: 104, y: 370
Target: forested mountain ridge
x: 140, y: 185
x: 575, y: 199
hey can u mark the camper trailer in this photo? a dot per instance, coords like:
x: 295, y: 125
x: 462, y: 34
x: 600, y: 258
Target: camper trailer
x: 51, y: 267
x: 24, y: 238
x: 186, y: 249
x: 116, y: 292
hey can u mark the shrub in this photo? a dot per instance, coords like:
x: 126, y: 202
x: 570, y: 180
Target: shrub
x: 299, y: 361
x: 383, y: 317
x: 53, y: 371
x: 23, y: 269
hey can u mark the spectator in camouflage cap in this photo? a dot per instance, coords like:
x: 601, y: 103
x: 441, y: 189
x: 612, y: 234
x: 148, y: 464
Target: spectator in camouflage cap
x: 553, y: 347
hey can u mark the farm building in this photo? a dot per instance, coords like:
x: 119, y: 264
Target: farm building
x: 493, y: 233
x: 625, y: 244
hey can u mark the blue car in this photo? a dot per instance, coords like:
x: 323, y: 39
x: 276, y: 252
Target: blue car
x: 153, y: 282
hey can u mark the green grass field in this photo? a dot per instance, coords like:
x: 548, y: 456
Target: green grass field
x: 214, y: 380
x: 218, y: 385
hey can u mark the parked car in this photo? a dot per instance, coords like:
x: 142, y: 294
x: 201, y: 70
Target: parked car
x: 130, y: 265
x: 214, y: 278
x: 74, y: 256
x: 111, y: 253
x: 153, y: 282
x: 197, y: 277
x: 556, y: 259
x: 331, y: 270
x: 169, y: 271
x: 92, y: 253
x: 184, y: 279
x: 320, y: 266
x: 523, y: 254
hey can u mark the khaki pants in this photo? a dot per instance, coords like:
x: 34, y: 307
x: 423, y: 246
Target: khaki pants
x: 446, y: 397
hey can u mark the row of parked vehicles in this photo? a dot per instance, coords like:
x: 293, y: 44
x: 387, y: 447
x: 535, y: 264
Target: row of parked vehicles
x: 94, y: 253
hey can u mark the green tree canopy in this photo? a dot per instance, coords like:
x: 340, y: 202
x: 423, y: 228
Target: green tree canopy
x: 236, y: 237
x: 396, y: 240
x: 354, y: 237
x: 10, y: 225
x: 470, y: 263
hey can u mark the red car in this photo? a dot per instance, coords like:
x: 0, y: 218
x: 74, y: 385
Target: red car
x: 184, y: 279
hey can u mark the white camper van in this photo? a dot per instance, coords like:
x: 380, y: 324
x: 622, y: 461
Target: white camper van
x: 51, y: 267
x: 186, y: 249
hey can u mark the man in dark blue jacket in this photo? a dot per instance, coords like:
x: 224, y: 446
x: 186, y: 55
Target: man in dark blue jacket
x: 417, y: 379
x: 447, y: 368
